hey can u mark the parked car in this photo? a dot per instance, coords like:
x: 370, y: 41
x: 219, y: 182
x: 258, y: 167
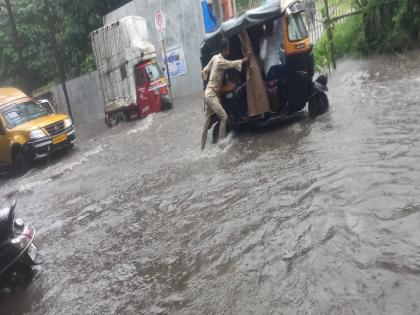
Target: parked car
x: 30, y: 130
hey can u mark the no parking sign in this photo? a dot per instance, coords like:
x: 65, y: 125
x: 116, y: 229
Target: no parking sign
x: 160, y: 23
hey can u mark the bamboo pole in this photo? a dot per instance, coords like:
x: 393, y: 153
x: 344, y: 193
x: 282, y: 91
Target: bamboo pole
x: 328, y: 26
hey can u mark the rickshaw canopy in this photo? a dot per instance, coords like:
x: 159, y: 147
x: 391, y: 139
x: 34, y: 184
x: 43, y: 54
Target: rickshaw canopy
x: 270, y: 11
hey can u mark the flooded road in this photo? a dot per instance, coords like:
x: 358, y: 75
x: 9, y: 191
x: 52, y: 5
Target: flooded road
x: 315, y: 216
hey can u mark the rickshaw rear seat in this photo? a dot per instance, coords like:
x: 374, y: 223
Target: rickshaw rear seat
x: 271, y: 83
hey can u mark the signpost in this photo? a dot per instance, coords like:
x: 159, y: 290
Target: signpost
x: 160, y: 24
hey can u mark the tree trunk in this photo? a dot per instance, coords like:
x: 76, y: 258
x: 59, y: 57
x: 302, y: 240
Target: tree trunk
x: 25, y: 81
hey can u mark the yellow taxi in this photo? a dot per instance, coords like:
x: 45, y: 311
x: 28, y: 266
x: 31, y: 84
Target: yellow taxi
x: 30, y: 130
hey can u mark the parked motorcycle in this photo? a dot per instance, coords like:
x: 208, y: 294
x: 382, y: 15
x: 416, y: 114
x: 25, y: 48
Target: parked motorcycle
x: 18, y: 254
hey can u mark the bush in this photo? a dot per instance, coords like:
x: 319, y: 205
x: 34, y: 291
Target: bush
x: 391, y: 26
x: 385, y: 26
x: 348, y: 40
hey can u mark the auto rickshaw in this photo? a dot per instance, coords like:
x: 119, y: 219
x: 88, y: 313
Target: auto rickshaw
x: 288, y: 94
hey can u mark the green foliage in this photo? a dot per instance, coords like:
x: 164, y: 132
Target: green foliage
x: 348, y: 40
x: 79, y: 18
x: 88, y: 64
x: 74, y: 20
x: 384, y: 26
x: 31, y: 28
x: 322, y: 54
x: 348, y: 37
x: 391, y: 26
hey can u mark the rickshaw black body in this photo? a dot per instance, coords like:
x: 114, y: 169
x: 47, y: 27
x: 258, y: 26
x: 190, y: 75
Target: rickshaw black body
x: 289, y: 93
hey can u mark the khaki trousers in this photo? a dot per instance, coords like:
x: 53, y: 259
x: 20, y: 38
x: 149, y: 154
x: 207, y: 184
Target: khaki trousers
x: 213, y: 106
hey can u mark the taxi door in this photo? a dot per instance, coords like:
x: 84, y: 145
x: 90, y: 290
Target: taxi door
x: 5, y: 157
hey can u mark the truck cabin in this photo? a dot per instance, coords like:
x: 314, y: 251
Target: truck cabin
x: 148, y: 72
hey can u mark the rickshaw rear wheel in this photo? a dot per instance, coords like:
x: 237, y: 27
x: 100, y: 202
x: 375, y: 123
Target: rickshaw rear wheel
x: 318, y: 104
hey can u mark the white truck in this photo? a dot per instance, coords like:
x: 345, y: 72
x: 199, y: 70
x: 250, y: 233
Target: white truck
x: 131, y: 81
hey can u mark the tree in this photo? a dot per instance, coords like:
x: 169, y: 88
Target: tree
x: 75, y: 19
x: 30, y: 28
x: 389, y: 25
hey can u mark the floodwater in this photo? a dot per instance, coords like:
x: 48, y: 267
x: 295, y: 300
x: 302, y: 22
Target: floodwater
x: 311, y: 217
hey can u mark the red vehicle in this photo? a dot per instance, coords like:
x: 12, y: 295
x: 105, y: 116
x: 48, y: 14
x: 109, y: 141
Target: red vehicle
x: 131, y: 81
x: 151, y: 89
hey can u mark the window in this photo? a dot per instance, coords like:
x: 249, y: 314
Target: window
x: 296, y: 27
x: 17, y: 114
x: 153, y: 72
x: 139, y: 77
x: 47, y: 106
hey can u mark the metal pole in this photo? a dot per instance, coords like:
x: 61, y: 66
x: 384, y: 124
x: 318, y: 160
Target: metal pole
x: 167, y: 68
x: 328, y: 25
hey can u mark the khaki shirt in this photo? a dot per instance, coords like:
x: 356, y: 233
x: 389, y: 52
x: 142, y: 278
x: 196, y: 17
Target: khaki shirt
x: 217, y: 67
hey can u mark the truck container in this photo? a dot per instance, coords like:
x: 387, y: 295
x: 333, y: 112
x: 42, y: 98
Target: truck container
x: 130, y: 79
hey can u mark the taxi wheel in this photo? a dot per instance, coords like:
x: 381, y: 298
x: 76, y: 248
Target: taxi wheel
x: 20, y: 164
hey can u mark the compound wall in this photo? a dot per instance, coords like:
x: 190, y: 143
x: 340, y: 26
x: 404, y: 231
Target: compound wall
x: 184, y: 26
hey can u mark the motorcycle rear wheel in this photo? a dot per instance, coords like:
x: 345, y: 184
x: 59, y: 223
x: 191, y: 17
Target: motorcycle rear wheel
x: 24, y: 274
x: 318, y: 104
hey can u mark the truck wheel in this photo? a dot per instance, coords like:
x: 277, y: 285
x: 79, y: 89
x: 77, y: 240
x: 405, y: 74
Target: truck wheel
x: 318, y: 104
x: 20, y: 164
x: 125, y: 117
x: 121, y: 116
x: 166, y: 105
x: 133, y: 114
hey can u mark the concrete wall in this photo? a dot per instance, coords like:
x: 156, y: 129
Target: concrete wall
x: 184, y: 27
x: 85, y: 98
x: 184, y: 20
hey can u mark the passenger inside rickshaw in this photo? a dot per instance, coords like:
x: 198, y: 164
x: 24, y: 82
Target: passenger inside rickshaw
x: 271, y: 51
x: 267, y: 46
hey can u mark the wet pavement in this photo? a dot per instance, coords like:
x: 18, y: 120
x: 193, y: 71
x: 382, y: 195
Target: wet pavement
x: 314, y: 216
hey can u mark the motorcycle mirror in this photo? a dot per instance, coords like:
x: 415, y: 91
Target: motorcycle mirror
x: 13, y: 206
